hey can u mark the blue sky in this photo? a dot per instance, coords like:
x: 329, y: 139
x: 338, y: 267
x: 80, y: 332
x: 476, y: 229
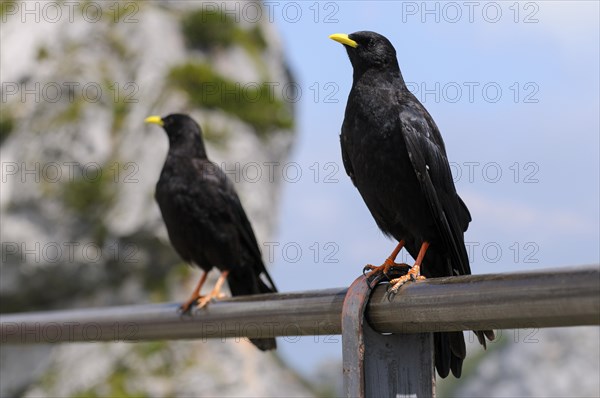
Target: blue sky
x: 524, y: 143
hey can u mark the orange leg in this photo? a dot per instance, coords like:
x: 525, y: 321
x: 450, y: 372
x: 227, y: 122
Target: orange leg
x: 414, y: 273
x: 378, y: 272
x: 216, y: 292
x: 185, y: 307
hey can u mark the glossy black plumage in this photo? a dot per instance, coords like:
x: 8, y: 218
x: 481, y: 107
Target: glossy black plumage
x: 394, y: 154
x: 205, y: 220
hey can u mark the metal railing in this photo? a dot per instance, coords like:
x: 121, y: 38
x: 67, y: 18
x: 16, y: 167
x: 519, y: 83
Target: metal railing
x: 537, y: 299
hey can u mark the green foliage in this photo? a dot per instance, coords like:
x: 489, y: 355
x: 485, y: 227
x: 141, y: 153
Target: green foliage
x: 7, y: 124
x: 48, y: 379
x: 84, y: 194
x: 4, y: 6
x: 155, y: 280
x: 120, y: 112
x: 117, y: 44
x: 256, y: 36
x: 122, y: 96
x: 91, y: 195
x: 148, y: 349
x: 158, y: 357
x: 42, y: 53
x: 251, y: 39
x: 118, y: 383
x: 254, y: 103
x: 206, y: 29
x: 91, y: 393
x: 124, y: 11
x: 216, y: 136
x: 72, y: 112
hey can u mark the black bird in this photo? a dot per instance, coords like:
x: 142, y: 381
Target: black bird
x: 394, y: 154
x: 205, y: 220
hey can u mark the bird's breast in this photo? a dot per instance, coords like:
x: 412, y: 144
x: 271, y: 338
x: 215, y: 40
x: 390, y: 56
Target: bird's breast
x: 383, y: 171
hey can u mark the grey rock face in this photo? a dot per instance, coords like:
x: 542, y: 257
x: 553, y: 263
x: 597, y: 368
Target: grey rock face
x: 79, y: 223
x: 557, y: 362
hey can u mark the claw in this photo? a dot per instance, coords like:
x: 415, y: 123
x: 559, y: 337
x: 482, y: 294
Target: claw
x: 389, y: 294
x: 186, y: 308
x: 383, y: 271
x: 378, y: 273
x: 204, y: 301
x: 368, y: 267
x: 398, y: 282
x: 374, y: 279
x: 412, y: 275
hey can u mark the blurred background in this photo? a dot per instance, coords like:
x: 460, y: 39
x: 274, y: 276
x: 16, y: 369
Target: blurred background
x: 513, y: 87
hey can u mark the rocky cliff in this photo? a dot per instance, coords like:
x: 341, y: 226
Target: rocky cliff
x: 79, y: 223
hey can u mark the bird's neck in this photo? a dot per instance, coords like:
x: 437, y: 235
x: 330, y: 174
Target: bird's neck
x: 189, y: 148
x: 377, y: 77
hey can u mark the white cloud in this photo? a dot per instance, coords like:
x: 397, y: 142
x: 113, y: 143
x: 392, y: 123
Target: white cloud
x: 509, y: 215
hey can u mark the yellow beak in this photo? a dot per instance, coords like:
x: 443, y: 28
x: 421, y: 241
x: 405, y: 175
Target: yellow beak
x: 154, y: 120
x: 344, y: 39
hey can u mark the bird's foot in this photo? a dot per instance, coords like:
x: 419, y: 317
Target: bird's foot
x: 215, y: 293
x: 187, y: 306
x: 376, y: 274
x: 201, y: 301
x: 412, y: 275
x: 204, y: 300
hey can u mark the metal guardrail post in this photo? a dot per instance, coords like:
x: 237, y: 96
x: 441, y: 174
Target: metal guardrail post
x: 377, y: 365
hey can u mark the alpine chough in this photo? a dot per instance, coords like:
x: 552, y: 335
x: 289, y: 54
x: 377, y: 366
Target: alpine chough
x: 205, y: 220
x: 394, y: 154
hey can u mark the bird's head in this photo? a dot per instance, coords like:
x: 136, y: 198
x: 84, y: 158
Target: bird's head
x: 368, y: 50
x: 184, y: 133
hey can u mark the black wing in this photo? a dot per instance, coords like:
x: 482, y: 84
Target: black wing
x: 244, y: 228
x: 428, y: 157
x: 250, y: 242
x: 346, y: 160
